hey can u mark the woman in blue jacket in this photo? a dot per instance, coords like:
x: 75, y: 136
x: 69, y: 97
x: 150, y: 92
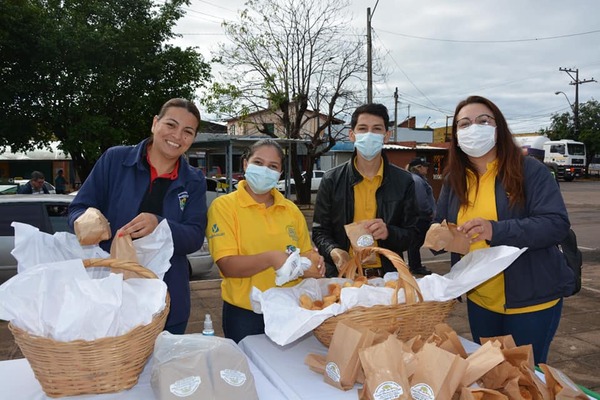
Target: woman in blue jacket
x: 497, y: 196
x: 136, y: 187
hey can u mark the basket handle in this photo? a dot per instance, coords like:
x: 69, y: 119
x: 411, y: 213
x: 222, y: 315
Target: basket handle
x: 129, y: 269
x: 406, y: 281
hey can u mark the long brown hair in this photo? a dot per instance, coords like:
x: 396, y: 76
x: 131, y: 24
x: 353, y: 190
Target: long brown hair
x: 508, y: 154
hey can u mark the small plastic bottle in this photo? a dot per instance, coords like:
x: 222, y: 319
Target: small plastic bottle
x: 208, y: 326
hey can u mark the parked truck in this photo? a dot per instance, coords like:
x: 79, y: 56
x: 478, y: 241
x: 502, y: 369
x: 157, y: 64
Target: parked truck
x: 566, y: 157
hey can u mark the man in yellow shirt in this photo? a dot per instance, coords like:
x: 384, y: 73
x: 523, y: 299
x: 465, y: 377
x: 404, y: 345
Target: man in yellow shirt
x: 367, y: 189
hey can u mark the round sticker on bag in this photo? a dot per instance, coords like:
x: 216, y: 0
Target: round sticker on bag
x: 365, y: 240
x: 332, y: 371
x: 185, y: 387
x: 387, y: 391
x: 422, y: 391
x: 233, y: 377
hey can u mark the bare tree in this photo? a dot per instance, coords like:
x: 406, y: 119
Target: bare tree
x: 292, y: 57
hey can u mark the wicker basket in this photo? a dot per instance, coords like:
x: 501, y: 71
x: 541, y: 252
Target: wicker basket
x: 415, y: 317
x: 104, y: 365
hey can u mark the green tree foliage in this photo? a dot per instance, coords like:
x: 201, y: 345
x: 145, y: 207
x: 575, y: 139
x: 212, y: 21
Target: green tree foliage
x: 292, y: 56
x: 89, y: 73
x: 589, y: 127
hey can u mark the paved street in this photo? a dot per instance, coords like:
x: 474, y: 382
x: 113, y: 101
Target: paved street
x: 576, y: 347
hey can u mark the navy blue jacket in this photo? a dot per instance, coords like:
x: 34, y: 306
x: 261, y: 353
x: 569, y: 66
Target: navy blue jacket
x: 116, y: 187
x: 541, y: 273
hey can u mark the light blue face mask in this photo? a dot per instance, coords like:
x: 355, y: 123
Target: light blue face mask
x: 261, y: 179
x: 369, y: 144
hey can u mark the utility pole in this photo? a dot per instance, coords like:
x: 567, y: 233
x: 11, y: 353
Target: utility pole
x: 370, y: 55
x: 369, y: 60
x: 396, y: 115
x: 576, y: 82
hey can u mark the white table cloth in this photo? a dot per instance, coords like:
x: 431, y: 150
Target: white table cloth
x: 284, y: 367
x: 17, y: 382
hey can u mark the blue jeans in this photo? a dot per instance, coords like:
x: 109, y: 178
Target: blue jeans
x: 536, y: 328
x: 178, y: 329
x: 239, y: 322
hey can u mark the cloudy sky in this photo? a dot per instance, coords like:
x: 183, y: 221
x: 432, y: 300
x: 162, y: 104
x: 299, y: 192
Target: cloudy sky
x: 437, y: 52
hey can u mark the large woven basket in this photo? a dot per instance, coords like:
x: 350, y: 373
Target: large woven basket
x: 406, y: 320
x: 104, y: 365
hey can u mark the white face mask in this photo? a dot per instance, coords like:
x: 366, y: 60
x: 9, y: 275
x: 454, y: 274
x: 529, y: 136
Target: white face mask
x: 369, y: 144
x: 477, y: 140
x: 260, y: 178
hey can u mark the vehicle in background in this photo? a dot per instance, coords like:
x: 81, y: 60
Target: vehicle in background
x: 8, y: 189
x: 594, y: 166
x: 566, y: 155
x: 49, y: 214
x: 315, y: 182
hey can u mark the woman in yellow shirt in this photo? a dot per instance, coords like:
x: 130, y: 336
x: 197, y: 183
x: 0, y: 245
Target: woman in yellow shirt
x: 248, y: 233
x: 497, y: 196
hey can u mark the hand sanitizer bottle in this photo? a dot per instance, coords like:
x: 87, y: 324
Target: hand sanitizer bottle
x: 208, y: 326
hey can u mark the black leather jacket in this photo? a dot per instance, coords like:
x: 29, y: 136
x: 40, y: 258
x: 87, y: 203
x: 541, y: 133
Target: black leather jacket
x: 334, y: 208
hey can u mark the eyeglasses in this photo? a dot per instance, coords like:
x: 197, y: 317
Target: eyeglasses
x: 483, y: 119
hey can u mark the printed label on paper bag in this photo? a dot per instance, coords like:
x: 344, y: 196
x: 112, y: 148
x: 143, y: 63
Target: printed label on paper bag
x: 422, y: 391
x: 365, y: 241
x: 333, y: 371
x: 233, y: 377
x: 388, y: 391
x: 185, y: 387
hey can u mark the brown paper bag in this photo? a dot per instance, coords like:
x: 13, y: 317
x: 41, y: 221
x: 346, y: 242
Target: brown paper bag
x: 481, y: 361
x: 438, y: 373
x: 91, y: 227
x: 342, y: 362
x: 506, y: 341
x: 314, y: 257
x: 444, y: 236
x: 360, y: 237
x: 316, y: 362
x: 385, y: 373
x: 122, y: 248
x: 504, y: 377
x: 560, y: 385
x: 481, y: 394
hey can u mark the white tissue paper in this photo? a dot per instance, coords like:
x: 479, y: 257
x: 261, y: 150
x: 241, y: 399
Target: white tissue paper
x: 54, y: 295
x: 286, y: 321
x: 33, y: 247
x: 293, y: 268
x: 61, y: 301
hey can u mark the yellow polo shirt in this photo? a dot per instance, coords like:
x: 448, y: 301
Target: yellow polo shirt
x: 482, y: 203
x: 365, y: 203
x: 238, y: 225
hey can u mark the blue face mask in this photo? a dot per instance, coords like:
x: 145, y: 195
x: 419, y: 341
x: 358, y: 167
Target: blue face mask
x: 261, y: 179
x: 369, y: 144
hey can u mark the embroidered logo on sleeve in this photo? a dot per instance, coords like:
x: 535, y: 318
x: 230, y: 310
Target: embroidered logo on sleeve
x: 183, y: 198
x: 215, y: 231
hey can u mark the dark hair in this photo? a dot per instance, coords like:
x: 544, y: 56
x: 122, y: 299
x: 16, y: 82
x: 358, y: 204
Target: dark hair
x: 508, y: 154
x: 181, y: 103
x: 35, y: 175
x: 374, y: 109
x: 264, y: 142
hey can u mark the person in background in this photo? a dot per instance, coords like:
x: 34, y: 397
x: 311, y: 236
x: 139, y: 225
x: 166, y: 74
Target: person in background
x: 497, y: 197
x: 426, y: 202
x: 366, y: 188
x: 136, y: 187
x: 36, y: 185
x: 249, y: 231
x: 60, y: 183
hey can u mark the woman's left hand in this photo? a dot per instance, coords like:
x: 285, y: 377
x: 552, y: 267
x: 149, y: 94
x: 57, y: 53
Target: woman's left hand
x: 477, y: 229
x: 142, y: 225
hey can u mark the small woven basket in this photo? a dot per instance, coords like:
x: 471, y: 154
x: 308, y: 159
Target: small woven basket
x: 406, y: 320
x: 104, y: 365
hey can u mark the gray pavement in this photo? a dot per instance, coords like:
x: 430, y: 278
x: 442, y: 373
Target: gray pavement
x: 576, y: 346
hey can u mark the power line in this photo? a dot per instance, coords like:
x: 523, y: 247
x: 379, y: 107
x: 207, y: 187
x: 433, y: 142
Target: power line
x: 490, y: 41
